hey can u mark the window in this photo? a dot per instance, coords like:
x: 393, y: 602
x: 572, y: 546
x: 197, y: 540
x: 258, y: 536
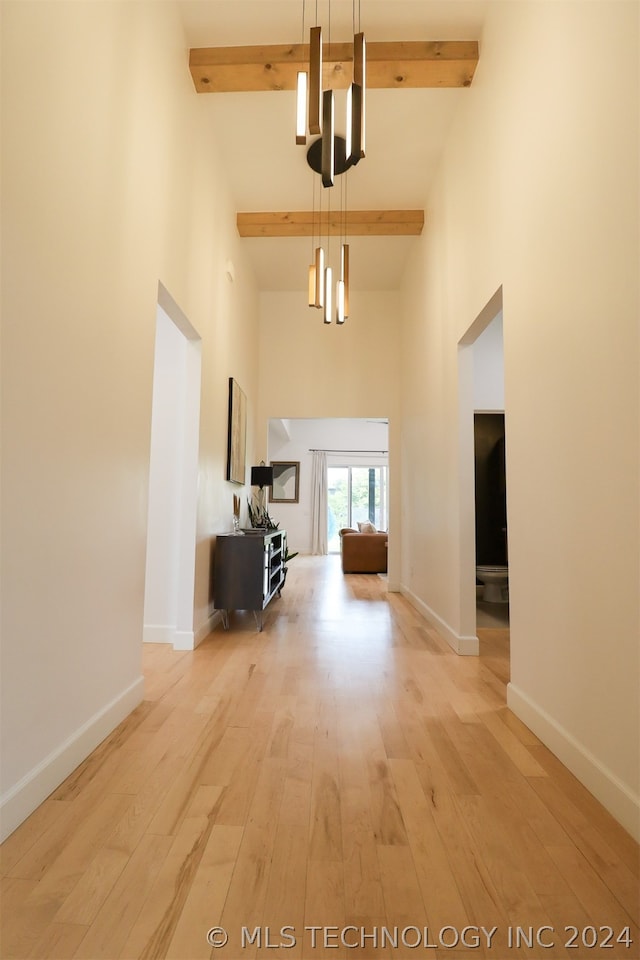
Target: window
x: 355, y: 494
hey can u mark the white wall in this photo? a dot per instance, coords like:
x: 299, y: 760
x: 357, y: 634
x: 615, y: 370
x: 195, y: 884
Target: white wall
x: 538, y: 193
x: 173, y: 482
x: 305, y: 435
x: 165, y: 475
x: 488, y: 369
x: 310, y: 370
x: 110, y: 184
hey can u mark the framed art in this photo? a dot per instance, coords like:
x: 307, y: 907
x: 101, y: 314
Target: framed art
x: 286, y: 481
x: 237, y: 434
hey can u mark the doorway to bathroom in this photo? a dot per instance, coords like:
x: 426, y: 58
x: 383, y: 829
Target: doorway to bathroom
x: 492, y: 585
x: 484, y: 551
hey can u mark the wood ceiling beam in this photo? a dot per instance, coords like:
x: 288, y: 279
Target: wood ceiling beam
x: 400, y: 64
x: 359, y: 223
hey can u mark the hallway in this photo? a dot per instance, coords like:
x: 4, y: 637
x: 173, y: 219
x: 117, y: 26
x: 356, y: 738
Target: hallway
x: 342, y: 770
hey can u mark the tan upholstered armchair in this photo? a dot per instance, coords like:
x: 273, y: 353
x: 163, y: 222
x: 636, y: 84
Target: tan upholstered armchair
x: 363, y: 552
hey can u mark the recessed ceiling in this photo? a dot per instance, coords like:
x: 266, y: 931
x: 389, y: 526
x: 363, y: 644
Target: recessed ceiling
x: 406, y: 129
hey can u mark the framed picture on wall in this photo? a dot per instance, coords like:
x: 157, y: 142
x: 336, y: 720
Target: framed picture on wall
x: 286, y: 481
x: 237, y: 434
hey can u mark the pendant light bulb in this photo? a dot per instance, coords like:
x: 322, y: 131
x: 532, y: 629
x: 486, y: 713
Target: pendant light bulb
x: 312, y: 285
x: 301, y: 107
x: 319, y: 278
x: 340, y: 301
x: 344, y: 275
x: 328, y: 306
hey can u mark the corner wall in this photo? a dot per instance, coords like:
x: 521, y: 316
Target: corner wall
x: 538, y: 193
x: 110, y: 184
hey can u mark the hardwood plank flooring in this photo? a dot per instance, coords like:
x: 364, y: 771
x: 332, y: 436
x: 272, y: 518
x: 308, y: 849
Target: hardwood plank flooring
x: 338, y: 785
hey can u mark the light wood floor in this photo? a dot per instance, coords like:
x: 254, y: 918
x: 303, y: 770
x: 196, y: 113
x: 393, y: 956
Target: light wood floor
x: 342, y: 770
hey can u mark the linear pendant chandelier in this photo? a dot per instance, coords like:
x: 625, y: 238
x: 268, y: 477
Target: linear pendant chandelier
x: 330, y: 156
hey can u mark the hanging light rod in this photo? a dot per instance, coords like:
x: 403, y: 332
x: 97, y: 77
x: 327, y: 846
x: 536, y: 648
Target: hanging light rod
x: 356, y: 95
x: 315, y: 81
x: 359, y: 223
x: 390, y: 64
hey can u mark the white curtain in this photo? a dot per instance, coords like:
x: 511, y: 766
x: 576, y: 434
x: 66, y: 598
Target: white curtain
x: 319, y: 505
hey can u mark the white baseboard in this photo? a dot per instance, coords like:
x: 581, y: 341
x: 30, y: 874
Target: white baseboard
x: 156, y: 633
x: 178, y: 639
x: 208, y: 626
x: 181, y: 639
x: 465, y: 646
x: 621, y: 802
x: 22, y: 799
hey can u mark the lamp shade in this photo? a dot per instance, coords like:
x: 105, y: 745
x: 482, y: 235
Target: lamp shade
x: 261, y: 476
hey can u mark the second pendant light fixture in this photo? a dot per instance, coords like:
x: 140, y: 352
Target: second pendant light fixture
x: 329, y: 156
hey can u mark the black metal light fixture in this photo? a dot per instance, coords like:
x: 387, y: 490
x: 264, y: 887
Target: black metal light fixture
x: 357, y: 110
x: 330, y: 155
x: 315, y: 80
x: 328, y: 134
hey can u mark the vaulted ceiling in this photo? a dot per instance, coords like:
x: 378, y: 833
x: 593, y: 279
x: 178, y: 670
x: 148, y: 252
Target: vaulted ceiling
x: 419, y: 84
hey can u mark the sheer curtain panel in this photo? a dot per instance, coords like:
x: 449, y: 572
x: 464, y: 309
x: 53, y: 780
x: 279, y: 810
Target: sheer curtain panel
x: 319, y: 543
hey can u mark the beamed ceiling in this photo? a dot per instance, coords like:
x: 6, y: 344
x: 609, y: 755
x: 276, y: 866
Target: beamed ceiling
x: 395, y: 66
x: 415, y: 79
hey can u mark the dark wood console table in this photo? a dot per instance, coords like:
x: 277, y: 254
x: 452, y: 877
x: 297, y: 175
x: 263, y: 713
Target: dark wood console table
x: 248, y: 571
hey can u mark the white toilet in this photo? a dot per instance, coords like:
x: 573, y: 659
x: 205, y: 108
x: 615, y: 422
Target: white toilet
x: 496, y: 583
